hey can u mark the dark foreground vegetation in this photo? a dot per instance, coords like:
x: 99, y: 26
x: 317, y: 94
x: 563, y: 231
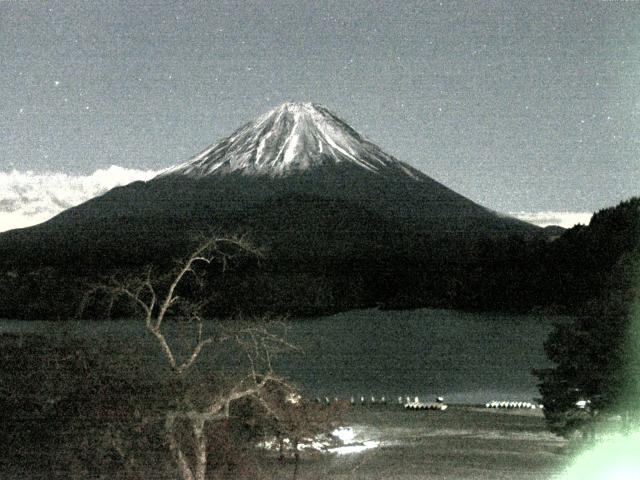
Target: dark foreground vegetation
x: 597, y: 356
x: 108, y: 411
x: 515, y: 274
x: 71, y: 410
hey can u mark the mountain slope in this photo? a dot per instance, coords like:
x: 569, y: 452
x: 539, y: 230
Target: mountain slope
x: 293, y: 150
x: 324, y: 202
x: 305, y: 149
x: 291, y: 138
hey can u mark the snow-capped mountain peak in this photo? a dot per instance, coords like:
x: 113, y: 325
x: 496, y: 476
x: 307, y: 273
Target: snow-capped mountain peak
x: 291, y: 138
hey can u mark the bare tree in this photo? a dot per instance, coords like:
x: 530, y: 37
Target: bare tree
x: 157, y: 299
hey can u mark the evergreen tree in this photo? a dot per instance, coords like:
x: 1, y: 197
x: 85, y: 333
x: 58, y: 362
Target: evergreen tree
x: 597, y: 354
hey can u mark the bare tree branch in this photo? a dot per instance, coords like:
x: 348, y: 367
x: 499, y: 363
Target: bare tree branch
x: 158, y: 298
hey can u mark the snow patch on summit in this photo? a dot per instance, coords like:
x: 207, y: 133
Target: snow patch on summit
x: 291, y: 138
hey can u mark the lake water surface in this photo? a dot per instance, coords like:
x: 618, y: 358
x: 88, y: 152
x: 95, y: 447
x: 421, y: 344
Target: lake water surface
x: 467, y: 358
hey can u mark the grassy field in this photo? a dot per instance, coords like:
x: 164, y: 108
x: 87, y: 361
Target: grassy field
x: 463, y: 442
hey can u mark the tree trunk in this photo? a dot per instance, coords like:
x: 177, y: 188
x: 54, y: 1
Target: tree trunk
x: 296, y: 459
x: 200, y: 440
x: 280, y: 449
x: 181, y: 461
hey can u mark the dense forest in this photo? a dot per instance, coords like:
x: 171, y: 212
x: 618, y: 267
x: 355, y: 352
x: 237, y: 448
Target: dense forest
x: 597, y: 355
x: 509, y: 274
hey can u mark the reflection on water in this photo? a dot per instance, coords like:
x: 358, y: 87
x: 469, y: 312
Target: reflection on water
x: 468, y: 358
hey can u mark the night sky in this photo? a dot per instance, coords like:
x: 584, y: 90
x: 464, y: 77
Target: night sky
x: 521, y: 106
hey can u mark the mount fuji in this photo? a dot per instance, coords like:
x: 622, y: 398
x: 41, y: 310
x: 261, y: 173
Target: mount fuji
x: 293, y: 138
x: 303, y: 184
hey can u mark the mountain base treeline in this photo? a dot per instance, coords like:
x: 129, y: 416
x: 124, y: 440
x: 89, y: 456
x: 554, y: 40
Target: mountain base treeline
x: 593, y: 387
x: 503, y: 274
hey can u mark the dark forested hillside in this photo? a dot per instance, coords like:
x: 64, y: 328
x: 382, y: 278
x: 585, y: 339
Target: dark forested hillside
x: 597, y: 356
x: 297, y: 276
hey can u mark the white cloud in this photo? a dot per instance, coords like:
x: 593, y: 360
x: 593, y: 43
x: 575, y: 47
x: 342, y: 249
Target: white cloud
x: 28, y: 198
x: 563, y: 219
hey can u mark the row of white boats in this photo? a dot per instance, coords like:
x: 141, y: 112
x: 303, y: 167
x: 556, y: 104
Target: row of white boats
x: 414, y: 403
x: 512, y: 404
x: 407, y: 402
